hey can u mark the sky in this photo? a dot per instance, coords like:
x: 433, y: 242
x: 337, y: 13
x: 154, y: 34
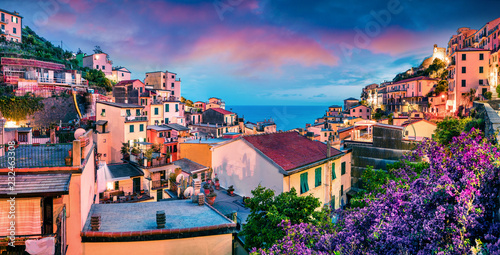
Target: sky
x: 252, y: 52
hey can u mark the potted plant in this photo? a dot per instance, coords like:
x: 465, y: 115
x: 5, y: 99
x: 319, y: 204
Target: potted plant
x: 211, y: 198
x: 125, y: 150
x: 149, y: 155
x: 173, y: 184
x: 230, y: 190
x: 206, y: 188
x: 217, y: 184
x: 135, y: 151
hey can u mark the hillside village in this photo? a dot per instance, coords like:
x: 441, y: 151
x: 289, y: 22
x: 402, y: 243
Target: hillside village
x: 106, y: 164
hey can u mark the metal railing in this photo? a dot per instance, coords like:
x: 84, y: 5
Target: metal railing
x: 34, y: 155
x: 159, y: 184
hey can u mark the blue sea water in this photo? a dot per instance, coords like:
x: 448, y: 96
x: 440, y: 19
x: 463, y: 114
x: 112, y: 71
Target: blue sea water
x: 285, y: 117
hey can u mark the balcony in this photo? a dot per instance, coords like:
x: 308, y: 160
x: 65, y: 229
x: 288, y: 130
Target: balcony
x: 61, y: 81
x: 136, y: 118
x: 159, y: 184
x: 4, y: 20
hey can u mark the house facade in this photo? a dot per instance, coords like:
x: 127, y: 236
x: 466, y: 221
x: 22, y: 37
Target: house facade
x: 11, y: 25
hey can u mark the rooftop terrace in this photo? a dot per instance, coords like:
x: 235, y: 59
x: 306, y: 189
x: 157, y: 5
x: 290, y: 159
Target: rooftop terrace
x: 44, y: 155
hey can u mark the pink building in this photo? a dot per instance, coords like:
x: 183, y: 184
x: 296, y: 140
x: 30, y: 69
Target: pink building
x: 11, y: 25
x: 411, y: 91
x: 360, y: 111
x: 99, y: 61
x: 164, y: 81
x: 468, y: 70
x: 120, y: 74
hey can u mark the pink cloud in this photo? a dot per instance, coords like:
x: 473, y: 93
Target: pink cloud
x: 260, y: 49
x: 175, y: 13
x: 62, y: 21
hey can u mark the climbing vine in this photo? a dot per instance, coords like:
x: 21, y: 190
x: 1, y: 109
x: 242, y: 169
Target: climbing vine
x: 16, y: 108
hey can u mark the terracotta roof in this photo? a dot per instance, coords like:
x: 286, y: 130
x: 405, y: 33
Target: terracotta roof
x: 220, y: 110
x: 406, y: 123
x: 126, y: 82
x: 290, y: 150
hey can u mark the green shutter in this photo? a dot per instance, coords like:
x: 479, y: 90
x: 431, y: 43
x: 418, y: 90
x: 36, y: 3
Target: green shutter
x: 304, y: 186
x: 156, y: 110
x: 343, y: 168
x: 131, y: 128
x: 141, y: 127
x: 332, y: 202
x: 317, y: 175
x: 334, y: 176
x: 167, y: 107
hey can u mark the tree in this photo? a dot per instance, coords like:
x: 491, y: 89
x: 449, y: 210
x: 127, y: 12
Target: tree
x: 449, y: 208
x: 267, y: 211
x: 17, y: 108
x: 441, y: 87
x: 98, y: 78
x: 449, y: 128
x: 97, y: 49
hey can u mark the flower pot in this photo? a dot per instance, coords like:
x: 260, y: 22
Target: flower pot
x: 149, y: 163
x: 211, y: 200
x: 217, y: 185
x: 231, y: 192
x: 207, y: 191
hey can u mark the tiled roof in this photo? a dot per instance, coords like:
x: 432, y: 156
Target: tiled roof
x: 177, y: 127
x: 189, y: 166
x: 290, y: 150
x: 121, y: 170
x: 220, y: 110
x: 36, y: 184
x: 350, y: 98
x: 126, y: 82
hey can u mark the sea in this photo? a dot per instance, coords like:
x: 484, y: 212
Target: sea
x: 286, y: 117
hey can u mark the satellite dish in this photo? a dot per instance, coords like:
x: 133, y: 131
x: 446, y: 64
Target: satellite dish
x: 179, y: 178
x: 79, y: 132
x: 188, y: 192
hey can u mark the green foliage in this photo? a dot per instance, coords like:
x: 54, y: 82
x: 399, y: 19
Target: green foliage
x: 449, y: 128
x: 488, y: 95
x: 97, y: 78
x: 378, y: 114
x: 441, y: 87
x: 374, y: 181
x: 268, y: 211
x: 498, y: 90
x: 187, y: 102
x: 17, y: 108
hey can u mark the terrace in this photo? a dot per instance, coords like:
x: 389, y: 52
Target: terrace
x: 33, y: 155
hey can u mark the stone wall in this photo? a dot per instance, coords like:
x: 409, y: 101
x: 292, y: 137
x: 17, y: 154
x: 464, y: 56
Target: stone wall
x: 491, y: 119
x: 56, y: 109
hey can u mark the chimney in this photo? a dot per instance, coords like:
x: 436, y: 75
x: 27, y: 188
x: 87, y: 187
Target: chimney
x: 201, y: 199
x: 160, y: 219
x: 328, y: 149
x: 95, y: 222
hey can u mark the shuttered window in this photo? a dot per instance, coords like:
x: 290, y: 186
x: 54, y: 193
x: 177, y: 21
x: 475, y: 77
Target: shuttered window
x: 304, y: 186
x: 317, y: 177
x: 343, y: 169
x: 334, y: 176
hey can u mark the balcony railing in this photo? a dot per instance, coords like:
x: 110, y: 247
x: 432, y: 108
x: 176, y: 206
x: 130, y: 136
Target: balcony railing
x: 136, y: 118
x: 62, y: 81
x: 6, y: 21
x: 36, y: 155
x: 159, y: 184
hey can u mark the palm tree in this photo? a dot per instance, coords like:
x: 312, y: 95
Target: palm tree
x: 125, y: 150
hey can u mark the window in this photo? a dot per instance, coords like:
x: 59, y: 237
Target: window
x: 14, y: 30
x: 342, y: 172
x: 164, y: 84
x: 481, y: 69
x: 360, y: 110
x: 141, y: 127
x: 137, y: 112
x: 480, y: 82
x: 123, y: 75
x: 341, y: 190
x: 128, y: 112
x: 304, y: 186
x: 167, y: 106
x: 117, y: 185
x: 481, y: 56
x: 156, y: 111
x: 173, y: 76
x: 103, y: 67
x: 97, y: 67
x: 353, y: 110
x: 176, y: 107
x: 131, y: 129
x: 172, y: 85
x: 334, y: 176
x: 463, y: 83
x: 103, y: 112
x: 464, y: 69
x: 317, y: 177
x: 166, y: 121
x: 464, y: 57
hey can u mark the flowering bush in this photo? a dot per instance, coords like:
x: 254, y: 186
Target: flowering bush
x: 449, y: 208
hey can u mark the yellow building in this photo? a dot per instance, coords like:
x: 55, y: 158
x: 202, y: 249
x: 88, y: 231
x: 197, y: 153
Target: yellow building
x: 118, y: 123
x: 282, y: 161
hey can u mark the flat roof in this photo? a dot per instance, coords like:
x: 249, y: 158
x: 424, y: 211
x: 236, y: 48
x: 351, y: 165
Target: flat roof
x: 159, y: 128
x: 139, y: 219
x: 36, y: 184
x: 121, y: 105
x: 121, y: 170
x: 208, y: 141
x: 19, y: 129
x: 177, y: 127
x: 189, y: 166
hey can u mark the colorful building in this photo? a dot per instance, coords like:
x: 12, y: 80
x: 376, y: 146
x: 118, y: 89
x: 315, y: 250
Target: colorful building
x: 120, y: 73
x: 164, y: 81
x: 11, y: 26
x: 99, y: 61
x: 282, y: 161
